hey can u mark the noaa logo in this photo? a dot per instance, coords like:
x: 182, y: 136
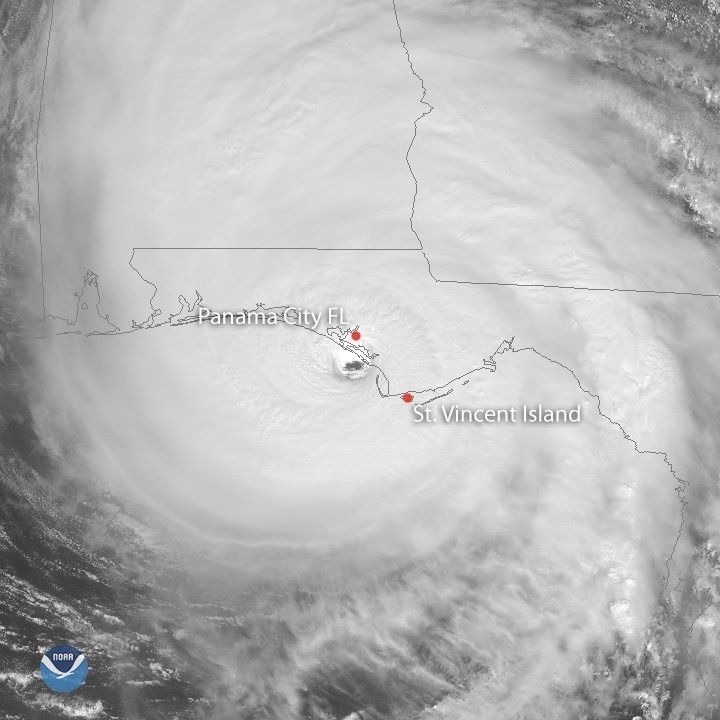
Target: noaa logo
x: 63, y: 668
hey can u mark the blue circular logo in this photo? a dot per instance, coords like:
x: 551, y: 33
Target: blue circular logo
x: 63, y: 668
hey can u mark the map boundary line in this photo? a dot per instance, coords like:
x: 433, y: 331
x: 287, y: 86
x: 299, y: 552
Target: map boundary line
x: 546, y: 286
x: 37, y: 157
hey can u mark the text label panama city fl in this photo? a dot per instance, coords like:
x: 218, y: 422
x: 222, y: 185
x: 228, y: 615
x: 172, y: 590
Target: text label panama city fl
x: 262, y: 316
x: 524, y: 414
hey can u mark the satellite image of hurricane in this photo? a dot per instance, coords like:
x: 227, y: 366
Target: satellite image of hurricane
x: 360, y: 360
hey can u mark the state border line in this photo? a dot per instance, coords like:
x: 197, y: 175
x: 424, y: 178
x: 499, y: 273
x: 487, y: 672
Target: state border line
x: 545, y: 286
x: 37, y: 157
x: 581, y: 288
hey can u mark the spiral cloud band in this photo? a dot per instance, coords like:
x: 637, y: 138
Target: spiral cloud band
x: 361, y: 359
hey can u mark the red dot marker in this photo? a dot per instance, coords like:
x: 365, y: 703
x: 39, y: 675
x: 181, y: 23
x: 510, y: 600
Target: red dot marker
x: 355, y: 335
x: 407, y: 397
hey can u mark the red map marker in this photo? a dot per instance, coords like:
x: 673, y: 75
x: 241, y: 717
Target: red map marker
x: 355, y: 335
x: 407, y: 397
